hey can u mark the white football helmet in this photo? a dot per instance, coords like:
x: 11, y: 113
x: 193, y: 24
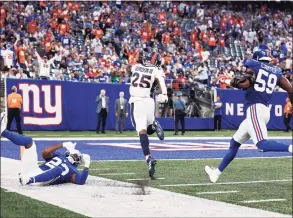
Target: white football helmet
x: 74, y: 157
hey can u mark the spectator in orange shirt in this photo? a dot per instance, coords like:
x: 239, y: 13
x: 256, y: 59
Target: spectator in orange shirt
x: 288, y: 114
x: 99, y: 33
x: 144, y: 35
x: 162, y: 16
x: 20, y: 51
x: 63, y: 27
x: 212, y: 42
x: 132, y: 57
x: 32, y: 26
x: 14, y: 102
x: 166, y: 38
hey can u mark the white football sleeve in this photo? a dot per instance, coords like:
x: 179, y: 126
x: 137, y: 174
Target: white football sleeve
x: 161, y: 80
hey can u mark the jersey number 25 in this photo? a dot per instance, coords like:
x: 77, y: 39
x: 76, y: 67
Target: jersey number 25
x: 144, y: 80
x: 265, y: 82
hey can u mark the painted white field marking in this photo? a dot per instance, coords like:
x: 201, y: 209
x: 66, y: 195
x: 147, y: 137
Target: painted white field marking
x: 97, y: 197
x: 217, y: 192
x: 96, y: 169
x: 114, y: 174
x: 196, y: 159
x: 54, y: 135
x: 228, y: 183
x: 264, y: 200
x: 141, y: 179
x: 136, y: 138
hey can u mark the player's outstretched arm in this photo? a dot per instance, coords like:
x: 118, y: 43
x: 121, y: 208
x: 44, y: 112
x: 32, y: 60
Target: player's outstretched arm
x: 47, y: 153
x: 80, y: 178
x: 161, y: 83
x: 286, y: 85
x: 162, y: 98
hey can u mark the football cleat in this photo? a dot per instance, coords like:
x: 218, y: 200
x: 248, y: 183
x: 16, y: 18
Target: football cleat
x: 23, y: 180
x: 151, y: 164
x: 159, y: 130
x: 213, y: 174
x: 3, y: 121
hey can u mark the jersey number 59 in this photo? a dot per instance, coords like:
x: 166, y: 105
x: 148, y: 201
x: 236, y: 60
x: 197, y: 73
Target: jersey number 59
x: 144, y: 80
x: 265, y: 82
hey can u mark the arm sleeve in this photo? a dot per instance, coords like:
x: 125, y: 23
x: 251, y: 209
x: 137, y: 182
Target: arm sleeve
x: 38, y: 57
x: 161, y: 80
x: 80, y: 178
x: 98, y: 98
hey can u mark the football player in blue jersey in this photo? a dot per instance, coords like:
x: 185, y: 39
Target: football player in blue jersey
x: 58, y: 167
x: 259, y: 83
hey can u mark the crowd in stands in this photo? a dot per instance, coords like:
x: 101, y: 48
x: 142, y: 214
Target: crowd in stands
x: 201, y: 43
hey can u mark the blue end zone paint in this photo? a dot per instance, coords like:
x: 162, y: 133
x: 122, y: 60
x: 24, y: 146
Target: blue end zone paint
x: 106, y: 152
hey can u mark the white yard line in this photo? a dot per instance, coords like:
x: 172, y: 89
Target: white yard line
x: 228, y: 183
x: 136, y: 138
x: 142, y: 179
x: 101, y: 197
x: 114, y: 174
x: 196, y: 159
x: 217, y: 192
x: 264, y: 200
x: 97, y: 169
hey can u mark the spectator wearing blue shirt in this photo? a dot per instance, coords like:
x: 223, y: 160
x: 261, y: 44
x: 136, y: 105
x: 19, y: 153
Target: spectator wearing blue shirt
x: 218, y: 114
x: 179, y: 115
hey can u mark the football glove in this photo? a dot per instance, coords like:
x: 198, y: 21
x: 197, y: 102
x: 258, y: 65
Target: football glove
x: 162, y: 98
x: 69, y: 146
x: 86, y: 160
x: 236, y: 80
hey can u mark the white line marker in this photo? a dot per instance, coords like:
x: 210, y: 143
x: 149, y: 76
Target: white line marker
x: 218, y: 192
x: 97, y: 169
x: 228, y: 183
x: 136, y: 138
x: 54, y: 135
x: 265, y: 200
x: 115, y: 174
x: 216, y: 158
x: 141, y: 179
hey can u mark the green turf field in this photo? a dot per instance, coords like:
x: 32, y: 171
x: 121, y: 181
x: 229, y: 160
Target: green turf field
x: 223, y: 133
x: 192, y: 172
x: 14, y: 205
x: 256, y: 179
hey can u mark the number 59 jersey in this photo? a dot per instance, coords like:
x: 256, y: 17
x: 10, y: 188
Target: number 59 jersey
x: 267, y: 78
x: 142, y: 80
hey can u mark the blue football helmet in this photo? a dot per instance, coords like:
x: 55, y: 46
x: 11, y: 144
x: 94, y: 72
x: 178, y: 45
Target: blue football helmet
x: 261, y: 53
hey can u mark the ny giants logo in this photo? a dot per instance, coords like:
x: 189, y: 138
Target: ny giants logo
x: 41, y: 95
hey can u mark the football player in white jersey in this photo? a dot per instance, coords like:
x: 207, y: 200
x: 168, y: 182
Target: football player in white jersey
x: 145, y: 77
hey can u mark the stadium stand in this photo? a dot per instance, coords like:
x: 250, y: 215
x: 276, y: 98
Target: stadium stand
x: 99, y: 41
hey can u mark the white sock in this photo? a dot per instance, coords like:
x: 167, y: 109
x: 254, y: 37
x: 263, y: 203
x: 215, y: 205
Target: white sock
x: 218, y: 171
x: 290, y: 148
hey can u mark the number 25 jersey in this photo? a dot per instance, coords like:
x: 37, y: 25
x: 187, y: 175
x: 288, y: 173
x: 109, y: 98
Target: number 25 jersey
x: 267, y: 77
x: 142, y: 80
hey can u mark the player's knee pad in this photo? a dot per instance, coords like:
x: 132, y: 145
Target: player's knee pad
x: 150, y: 130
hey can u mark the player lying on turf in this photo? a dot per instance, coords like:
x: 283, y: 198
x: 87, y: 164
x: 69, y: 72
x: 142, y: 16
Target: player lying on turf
x: 260, y: 81
x: 145, y: 76
x: 58, y: 167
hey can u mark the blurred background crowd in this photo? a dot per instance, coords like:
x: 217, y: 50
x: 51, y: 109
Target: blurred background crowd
x: 202, y: 44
